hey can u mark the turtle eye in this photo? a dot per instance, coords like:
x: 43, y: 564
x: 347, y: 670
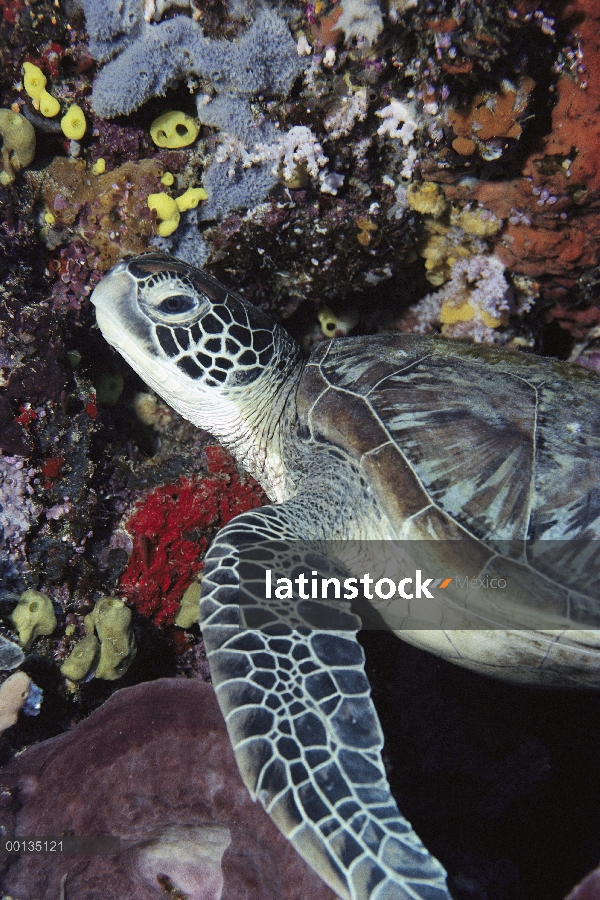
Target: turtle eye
x: 177, y: 303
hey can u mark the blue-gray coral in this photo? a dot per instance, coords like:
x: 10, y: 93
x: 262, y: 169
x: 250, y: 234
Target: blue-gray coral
x: 186, y: 242
x: 230, y: 185
x: 152, y: 57
x: 232, y: 115
x: 111, y: 25
x: 239, y: 189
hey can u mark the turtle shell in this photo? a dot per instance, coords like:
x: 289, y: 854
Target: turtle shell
x: 468, y: 443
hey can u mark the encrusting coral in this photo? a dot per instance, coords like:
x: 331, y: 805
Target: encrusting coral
x: 490, y: 116
x: 109, y: 210
x: 18, y: 144
x: 170, y: 530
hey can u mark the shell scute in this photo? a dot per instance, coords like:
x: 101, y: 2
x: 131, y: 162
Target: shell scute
x: 356, y: 369
x: 347, y: 421
x: 465, y: 436
x: 503, y: 444
x: 312, y: 385
x: 402, y: 504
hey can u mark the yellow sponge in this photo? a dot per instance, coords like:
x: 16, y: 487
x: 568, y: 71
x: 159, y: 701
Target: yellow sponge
x: 49, y: 105
x: 17, y: 137
x: 453, y: 312
x: 190, y: 199
x: 73, y: 123
x: 166, y: 212
x: 174, y: 129
x: 426, y: 198
x: 33, y: 616
x: 34, y: 80
x: 99, y: 167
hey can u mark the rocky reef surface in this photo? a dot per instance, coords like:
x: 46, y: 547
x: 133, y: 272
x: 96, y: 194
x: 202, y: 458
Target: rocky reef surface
x: 349, y: 166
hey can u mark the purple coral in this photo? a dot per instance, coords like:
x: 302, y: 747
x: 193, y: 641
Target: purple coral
x: 117, y: 143
x: 75, y: 281
x: 477, y: 282
x: 481, y: 281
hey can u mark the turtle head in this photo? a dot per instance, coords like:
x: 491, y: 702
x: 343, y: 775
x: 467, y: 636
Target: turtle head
x: 215, y: 358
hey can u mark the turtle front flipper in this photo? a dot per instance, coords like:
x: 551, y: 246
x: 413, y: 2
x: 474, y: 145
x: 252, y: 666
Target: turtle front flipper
x: 305, y: 733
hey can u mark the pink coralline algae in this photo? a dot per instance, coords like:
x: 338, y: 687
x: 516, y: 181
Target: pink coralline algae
x: 116, y: 144
x: 153, y: 767
x: 18, y: 512
x: 171, y: 530
x: 75, y: 278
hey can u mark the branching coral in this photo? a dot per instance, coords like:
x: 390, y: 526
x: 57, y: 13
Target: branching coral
x: 395, y: 113
x: 473, y: 303
x: 360, y: 19
x: 296, y: 150
x: 239, y: 177
x: 342, y: 117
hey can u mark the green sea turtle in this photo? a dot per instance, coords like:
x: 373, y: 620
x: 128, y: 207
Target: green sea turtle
x: 488, y: 459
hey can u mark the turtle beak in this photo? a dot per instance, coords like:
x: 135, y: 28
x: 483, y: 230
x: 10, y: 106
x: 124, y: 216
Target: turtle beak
x: 113, y: 285
x: 117, y: 313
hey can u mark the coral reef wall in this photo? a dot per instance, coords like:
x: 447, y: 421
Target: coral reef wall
x: 350, y: 166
